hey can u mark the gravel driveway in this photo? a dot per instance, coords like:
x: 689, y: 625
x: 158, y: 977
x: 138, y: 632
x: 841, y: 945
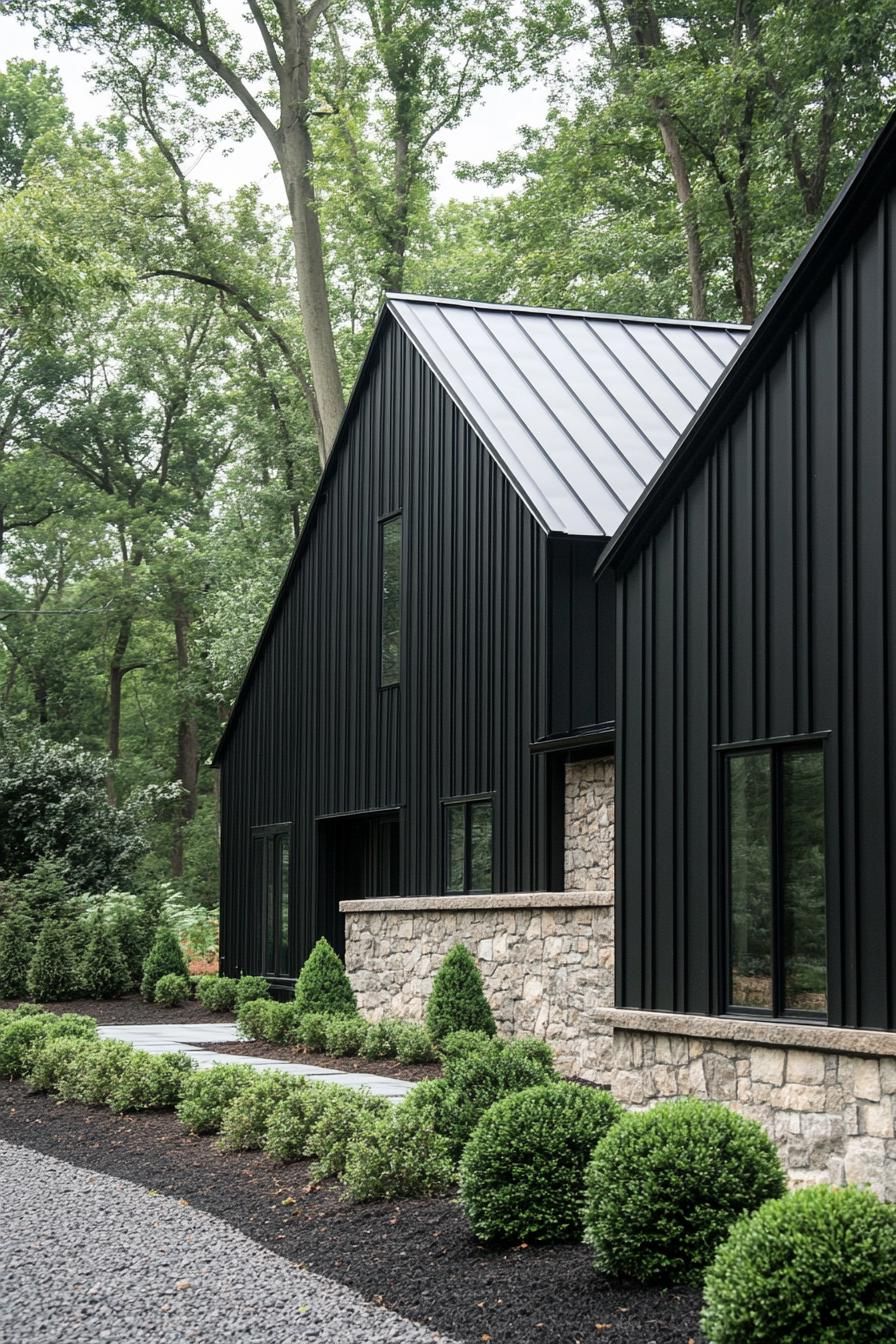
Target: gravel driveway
x: 87, y: 1258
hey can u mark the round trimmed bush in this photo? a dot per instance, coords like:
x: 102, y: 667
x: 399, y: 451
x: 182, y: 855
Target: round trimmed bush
x: 217, y: 993
x: 395, y: 1157
x: 427, y: 1102
x: 665, y: 1186
x: 345, y: 1035
x: 166, y: 957
x: 171, y: 990
x: 323, y: 986
x: 381, y: 1039
x: 250, y: 987
x: 312, y: 1029
x: 288, y: 1131
x: 522, y: 1174
x: 476, y: 1081
x: 91, y: 1076
x: 815, y: 1267
x: 345, y: 1111
x: 457, y: 1001
x: 52, y: 1060
x: 150, y: 1082
x: 459, y: 1043
x: 250, y: 1019
x: 207, y: 1093
x: 245, y: 1120
x: 414, y: 1045
x: 278, y: 1021
x: 24, y: 1036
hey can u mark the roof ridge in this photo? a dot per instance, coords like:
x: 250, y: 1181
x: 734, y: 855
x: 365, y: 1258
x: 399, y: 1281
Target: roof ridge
x: 392, y: 296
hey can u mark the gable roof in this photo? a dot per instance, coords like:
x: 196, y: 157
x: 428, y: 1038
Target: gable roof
x: 578, y: 409
x: 847, y: 216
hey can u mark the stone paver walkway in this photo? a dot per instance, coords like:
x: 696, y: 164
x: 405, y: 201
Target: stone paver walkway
x: 188, y: 1038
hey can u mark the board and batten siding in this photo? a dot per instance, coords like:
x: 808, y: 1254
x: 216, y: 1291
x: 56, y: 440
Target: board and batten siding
x: 764, y: 606
x: 316, y: 736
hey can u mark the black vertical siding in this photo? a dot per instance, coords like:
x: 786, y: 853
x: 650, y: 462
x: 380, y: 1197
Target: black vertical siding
x: 316, y: 736
x: 764, y: 606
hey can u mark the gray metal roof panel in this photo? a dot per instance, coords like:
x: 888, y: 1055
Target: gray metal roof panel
x: 578, y: 409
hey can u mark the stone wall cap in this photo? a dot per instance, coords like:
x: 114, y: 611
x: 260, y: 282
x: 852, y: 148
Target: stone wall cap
x: 520, y: 900
x: 804, y: 1036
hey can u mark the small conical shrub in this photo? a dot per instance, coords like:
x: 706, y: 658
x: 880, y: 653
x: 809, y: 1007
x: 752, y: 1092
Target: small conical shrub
x: 53, y: 970
x: 104, y: 971
x: 323, y: 986
x: 134, y: 941
x: 166, y: 957
x: 16, y: 948
x: 457, y: 1001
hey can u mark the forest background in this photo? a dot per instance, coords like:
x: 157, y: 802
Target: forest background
x: 174, y: 360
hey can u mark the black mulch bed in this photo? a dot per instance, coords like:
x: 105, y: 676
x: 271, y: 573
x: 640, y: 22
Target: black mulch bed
x: 416, y: 1257
x: 388, y: 1068
x: 131, y: 1011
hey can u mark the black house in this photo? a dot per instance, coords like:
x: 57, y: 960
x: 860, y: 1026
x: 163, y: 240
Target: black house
x: 428, y: 665
x: 756, y: 771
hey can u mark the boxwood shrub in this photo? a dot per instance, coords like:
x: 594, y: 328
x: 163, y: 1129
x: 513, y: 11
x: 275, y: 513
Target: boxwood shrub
x: 344, y: 1035
x: 207, y: 1093
x: 476, y: 1081
x: 250, y: 987
x: 26, y: 1033
x: 311, y: 1030
x: 345, y: 1111
x: 522, y: 1173
x: 665, y: 1186
x: 91, y: 1076
x: 457, y: 1001
x: 459, y: 1043
x: 395, y: 1156
x: 245, y: 1120
x: 815, y: 1267
x: 288, y: 1130
x: 51, y: 1060
x: 171, y: 990
x: 381, y: 1039
x: 323, y: 986
x: 218, y: 993
x: 150, y: 1082
x: 414, y: 1045
x: 250, y: 1019
x: 166, y: 957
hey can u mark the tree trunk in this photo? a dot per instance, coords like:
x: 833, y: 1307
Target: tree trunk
x: 672, y: 146
x: 117, y: 672
x: 186, y: 770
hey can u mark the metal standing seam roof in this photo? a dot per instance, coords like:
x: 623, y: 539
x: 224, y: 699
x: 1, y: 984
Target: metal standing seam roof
x: 579, y: 409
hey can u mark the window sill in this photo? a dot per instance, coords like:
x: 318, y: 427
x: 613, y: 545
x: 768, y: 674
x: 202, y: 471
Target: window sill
x: 523, y: 900
x: 797, y: 1035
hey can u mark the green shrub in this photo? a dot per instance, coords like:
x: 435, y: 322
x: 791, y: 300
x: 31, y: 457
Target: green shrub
x: 165, y: 957
x: 522, y: 1174
x: 664, y: 1187
x: 245, y: 1120
x: 134, y: 938
x: 51, y: 1059
x: 21, y: 1038
x: 427, y: 1102
x: 816, y: 1267
x: 532, y: 1047
x: 218, y: 993
x: 104, y: 971
x: 459, y: 1043
x: 311, y: 1030
x: 381, y: 1039
x: 478, y: 1080
x: 53, y: 970
x: 395, y: 1156
x: 194, y: 984
x: 288, y: 1130
x: 457, y: 1001
x: 207, y: 1093
x: 278, y: 1022
x: 171, y: 990
x: 150, y: 1082
x: 251, y: 1018
x: 323, y: 986
x: 31, y: 1010
x: 251, y: 987
x: 345, y: 1035
x: 345, y: 1111
x: 92, y: 1075
x: 16, y: 949
x: 414, y: 1045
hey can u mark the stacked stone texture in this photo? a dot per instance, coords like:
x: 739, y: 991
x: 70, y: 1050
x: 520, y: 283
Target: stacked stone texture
x: 546, y: 971
x: 590, y: 824
x: 831, y: 1114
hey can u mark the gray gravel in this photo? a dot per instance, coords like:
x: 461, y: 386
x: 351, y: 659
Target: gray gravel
x: 86, y: 1258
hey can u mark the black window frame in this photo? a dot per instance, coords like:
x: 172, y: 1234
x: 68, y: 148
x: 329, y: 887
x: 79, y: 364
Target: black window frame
x: 467, y: 802
x: 776, y: 748
x: 395, y: 516
x: 269, y: 839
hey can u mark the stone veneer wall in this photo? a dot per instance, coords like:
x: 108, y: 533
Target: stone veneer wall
x: 830, y: 1111
x: 590, y: 824
x: 546, y: 961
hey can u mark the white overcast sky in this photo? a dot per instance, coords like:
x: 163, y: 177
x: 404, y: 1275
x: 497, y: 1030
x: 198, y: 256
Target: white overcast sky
x: 491, y: 127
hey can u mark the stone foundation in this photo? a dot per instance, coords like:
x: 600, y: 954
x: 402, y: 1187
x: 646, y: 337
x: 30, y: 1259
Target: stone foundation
x: 590, y: 825
x: 546, y: 961
x: 831, y: 1113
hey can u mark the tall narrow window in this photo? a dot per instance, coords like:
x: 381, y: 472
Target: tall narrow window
x: 270, y: 857
x: 390, y: 601
x: 777, y: 934
x: 469, y: 845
